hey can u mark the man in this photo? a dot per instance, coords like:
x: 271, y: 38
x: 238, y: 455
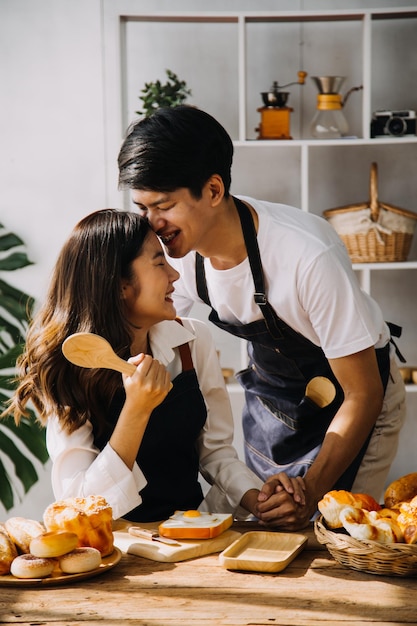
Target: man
x: 281, y: 279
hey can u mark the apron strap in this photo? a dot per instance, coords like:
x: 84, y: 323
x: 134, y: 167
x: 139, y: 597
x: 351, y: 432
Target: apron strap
x: 250, y: 237
x: 185, y: 353
x: 396, y: 332
x: 273, y: 322
x: 200, y: 279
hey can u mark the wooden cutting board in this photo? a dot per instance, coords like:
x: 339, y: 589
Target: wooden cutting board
x: 157, y: 551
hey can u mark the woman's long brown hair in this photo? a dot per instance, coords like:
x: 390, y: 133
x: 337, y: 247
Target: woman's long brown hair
x: 84, y: 296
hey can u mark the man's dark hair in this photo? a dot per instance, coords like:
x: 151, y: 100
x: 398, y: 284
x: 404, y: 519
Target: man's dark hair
x: 175, y: 147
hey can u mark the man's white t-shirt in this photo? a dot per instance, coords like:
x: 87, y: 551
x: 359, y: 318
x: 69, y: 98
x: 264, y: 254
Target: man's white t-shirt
x: 309, y: 282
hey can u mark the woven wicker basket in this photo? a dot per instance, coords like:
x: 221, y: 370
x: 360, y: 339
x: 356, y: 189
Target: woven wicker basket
x: 374, y: 232
x: 387, y: 559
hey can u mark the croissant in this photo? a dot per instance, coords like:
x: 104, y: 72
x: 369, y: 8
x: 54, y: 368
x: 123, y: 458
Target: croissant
x: 364, y: 525
x: 333, y: 502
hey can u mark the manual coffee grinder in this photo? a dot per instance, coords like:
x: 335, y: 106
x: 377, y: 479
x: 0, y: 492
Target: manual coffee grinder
x: 275, y: 114
x: 329, y: 121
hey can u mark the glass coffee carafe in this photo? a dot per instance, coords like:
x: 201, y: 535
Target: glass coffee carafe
x: 329, y: 121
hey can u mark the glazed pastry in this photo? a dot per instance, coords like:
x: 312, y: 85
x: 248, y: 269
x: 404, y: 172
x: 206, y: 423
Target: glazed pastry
x: 52, y: 544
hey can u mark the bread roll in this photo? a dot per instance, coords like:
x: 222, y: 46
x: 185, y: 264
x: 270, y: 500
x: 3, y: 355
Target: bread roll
x: 22, y: 531
x: 89, y: 518
x: 401, y: 490
x: 8, y: 551
x: 333, y: 502
x: 53, y: 544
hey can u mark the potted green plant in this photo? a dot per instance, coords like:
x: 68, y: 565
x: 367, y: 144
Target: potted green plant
x: 19, y: 445
x: 169, y: 94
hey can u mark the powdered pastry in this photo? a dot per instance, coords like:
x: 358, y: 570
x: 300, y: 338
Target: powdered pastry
x: 30, y: 566
x: 80, y: 560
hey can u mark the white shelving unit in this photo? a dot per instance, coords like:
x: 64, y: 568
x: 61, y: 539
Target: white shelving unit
x: 229, y: 57
x: 365, y: 271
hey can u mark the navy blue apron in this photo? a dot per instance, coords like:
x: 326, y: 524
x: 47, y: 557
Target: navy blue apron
x: 283, y: 429
x: 168, y: 455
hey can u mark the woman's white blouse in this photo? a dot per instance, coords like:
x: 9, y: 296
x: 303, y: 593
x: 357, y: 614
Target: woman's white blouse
x: 80, y: 469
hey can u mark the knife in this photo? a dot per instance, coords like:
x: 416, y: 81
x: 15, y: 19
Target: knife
x: 151, y: 534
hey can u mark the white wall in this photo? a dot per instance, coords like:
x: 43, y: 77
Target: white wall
x: 52, y: 128
x: 51, y: 124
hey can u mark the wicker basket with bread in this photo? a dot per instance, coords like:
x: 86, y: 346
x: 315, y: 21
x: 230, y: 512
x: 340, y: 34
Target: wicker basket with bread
x: 364, y: 535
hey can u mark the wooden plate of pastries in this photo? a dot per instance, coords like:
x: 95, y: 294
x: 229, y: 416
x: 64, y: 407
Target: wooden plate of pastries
x: 74, y: 542
x: 367, y: 536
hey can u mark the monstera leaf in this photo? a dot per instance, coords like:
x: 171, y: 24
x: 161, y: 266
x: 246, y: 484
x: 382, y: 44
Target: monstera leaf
x: 23, y: 446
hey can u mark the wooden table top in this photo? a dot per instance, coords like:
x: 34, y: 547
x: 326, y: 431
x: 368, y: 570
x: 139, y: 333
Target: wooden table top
x: 314, y: 589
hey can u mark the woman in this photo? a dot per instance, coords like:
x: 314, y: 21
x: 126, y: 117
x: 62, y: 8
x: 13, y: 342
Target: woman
x: 131, y: 439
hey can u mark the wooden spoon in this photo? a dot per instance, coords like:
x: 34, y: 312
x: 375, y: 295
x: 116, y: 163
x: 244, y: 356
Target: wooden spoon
x: 89, y: 350
x: 321, y: 391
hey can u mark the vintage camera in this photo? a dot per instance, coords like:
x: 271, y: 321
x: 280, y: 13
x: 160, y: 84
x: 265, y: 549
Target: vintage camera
x: 394, y: 123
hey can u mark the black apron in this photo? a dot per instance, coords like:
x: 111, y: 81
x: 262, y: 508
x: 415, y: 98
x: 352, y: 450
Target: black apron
x: 168, y: 455
x: 283, y: 429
